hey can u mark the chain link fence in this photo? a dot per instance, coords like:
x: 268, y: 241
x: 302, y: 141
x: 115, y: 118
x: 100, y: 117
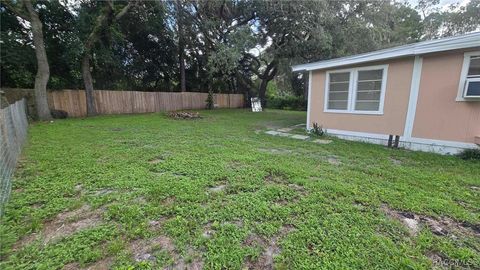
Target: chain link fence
x: 13, y: 133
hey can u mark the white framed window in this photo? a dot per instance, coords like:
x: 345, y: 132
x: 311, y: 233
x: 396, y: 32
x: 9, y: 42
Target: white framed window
x: 469, y: 87
x: 356, y: 90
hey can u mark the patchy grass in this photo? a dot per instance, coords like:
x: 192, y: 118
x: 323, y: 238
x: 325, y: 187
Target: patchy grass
x: 147, y: 191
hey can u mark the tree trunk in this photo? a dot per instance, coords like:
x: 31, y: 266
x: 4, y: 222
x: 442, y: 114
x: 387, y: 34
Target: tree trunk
x: 266, y: 77
x: 43, y: 70
x: 88, y: 82
x: 103, y: 20
x: 183, y: 82
x: 181, y: 46
x: 262, y: 90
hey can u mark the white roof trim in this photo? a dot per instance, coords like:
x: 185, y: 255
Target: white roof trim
x: 438, y: 45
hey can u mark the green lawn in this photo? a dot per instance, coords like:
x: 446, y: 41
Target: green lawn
x: 146, y: 192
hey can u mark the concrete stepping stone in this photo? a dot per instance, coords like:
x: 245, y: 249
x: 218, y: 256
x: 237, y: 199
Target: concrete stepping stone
x: 278, y: 133
x: 283, y: 134
x: 285, y: 129
x: 299, y: 137
x: 321, y: 141
x: 272, y: 132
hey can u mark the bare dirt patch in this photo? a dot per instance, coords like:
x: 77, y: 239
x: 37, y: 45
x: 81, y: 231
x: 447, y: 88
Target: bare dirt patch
x: 275, y: 151
x: 102, y: 160
x: 270, y: 248
x: 145, y: 249
x: 102, y: 264
x: 156, y: 172
x: 334, y: 160
x: 322, y: 141
x: 442, y: 226
x: 237, y: 222
x: 141, y: 249
x: 159, y: 159
x: 395, y: 161
x: 208, y: 231
x: 156, y: 225
x: 65, y: 224
x: 407, y: 219
x: 78, y: 188
x: 217, y: 189
x: 103, y: 191
x: 235, y: 165
x: 275, y: 177
x: 156, y: 160
x: 300, y: 192
x: 298, y: 188
x: 168, y: 201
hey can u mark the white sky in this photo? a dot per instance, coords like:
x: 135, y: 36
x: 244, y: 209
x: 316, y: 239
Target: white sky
x: 443, y: 3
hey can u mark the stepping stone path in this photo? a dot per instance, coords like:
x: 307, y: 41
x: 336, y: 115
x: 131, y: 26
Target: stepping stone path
x: 320, y: 141
x: 277, y: 133
x: 299, y: 137
x: 283, y: 132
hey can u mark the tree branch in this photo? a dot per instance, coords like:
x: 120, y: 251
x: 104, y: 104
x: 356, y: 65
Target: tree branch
x: 124, y: 10
x: 16, y: 10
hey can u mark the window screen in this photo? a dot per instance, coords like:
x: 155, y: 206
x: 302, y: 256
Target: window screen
x: 472, y: 83
x: 339, y: 84
x: 474, y: 68
x: 369, y: 89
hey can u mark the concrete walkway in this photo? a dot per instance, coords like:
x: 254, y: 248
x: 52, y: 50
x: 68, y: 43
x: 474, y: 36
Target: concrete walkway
x: 284, y: 132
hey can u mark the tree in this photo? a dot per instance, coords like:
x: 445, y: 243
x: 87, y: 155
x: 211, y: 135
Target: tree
x: 102, y: 24
x: 450, y: 21
x: 181, y: 46
x: 26, y: 11
x: 146, y: 48
x: 221, y: 33
x: 285, y: 29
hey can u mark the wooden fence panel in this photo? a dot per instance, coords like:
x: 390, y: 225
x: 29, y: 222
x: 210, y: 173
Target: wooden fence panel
x: 124, y: 102
x: 236, y: 101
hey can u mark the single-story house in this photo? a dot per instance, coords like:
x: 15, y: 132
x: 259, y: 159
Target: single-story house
x: 426, y: 93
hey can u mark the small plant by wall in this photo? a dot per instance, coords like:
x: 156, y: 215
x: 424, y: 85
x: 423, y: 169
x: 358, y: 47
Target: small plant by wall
x: 318, y: 130
x: 470, y: 154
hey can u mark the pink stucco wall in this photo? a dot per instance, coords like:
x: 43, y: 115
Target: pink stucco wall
x: 392, y: 121
x: 439, y: 116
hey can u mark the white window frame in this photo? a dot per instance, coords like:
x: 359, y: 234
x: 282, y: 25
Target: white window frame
x: 352, y: 90
x: 462, y: 86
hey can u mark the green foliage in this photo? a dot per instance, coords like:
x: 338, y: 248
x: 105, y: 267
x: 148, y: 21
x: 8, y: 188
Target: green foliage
x: 17, y: 57
x: 231, y: 46
x: 135, y: 169
x: 470, y: 154
x: 210, y: 102
x: 287, y: 103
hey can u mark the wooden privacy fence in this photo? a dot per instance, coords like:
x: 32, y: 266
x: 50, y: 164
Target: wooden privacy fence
x: 120, y: 102
x: 13, y: 133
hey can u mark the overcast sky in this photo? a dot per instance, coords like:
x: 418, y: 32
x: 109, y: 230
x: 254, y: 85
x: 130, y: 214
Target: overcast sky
x: 442, y: 2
